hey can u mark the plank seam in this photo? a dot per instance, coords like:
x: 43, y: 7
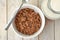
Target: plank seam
x: 7, y: 17
x: 54, y: 30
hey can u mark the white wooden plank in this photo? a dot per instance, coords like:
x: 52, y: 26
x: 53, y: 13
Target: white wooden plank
x: 36, y: 38
x: 26, y: 39
x: 48, y: 32
x: 2, y: 19
x: 12, y: 5
x: 34, y: 2
x: 57, y: 30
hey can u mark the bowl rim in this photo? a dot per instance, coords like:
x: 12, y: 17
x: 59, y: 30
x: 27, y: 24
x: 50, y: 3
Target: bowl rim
x: 41, y: 28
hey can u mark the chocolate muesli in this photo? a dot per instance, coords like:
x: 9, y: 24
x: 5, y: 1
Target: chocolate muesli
x: 27, y: 21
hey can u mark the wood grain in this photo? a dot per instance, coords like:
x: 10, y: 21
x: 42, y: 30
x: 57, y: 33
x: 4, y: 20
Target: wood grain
x: 3, y: 34
x: 57, y: 29
x: 48, y: 32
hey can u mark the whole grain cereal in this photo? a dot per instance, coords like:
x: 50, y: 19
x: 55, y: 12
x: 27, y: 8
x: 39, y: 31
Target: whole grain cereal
x: 27, y: 21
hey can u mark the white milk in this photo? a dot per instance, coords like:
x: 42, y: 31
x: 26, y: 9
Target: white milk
x: 55, y: 4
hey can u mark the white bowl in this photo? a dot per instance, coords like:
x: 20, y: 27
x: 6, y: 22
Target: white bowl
x: 36, y: 9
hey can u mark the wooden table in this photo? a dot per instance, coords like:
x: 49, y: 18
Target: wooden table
x: 50, y: 32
